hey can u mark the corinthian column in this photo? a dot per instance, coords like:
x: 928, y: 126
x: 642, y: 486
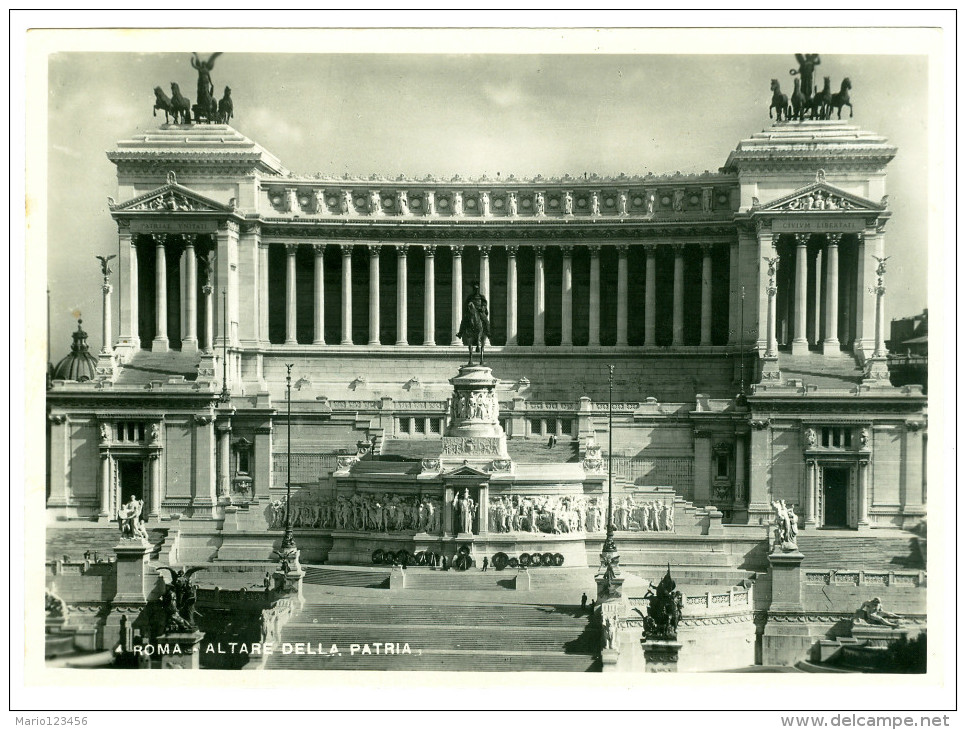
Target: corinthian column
x: 831, y: 346
x: 677, y: 330
x: 594, y: 296
x: 622, y: 287
x: 706, y: 295
x: 457, y: 303
x: 318, y: 300
x: 485, y: 275
x: 800, y: 341
x: 402, y: 306
x: 346, y: 293
x: 429, y: 298
x: 771, y: 347
x: 262, y: 292
x: 208, y: 290
x: 567, y: 298
x: 650, y: 295
x: 190, y: 341
x: 160, y: 343
x: 290, y: 336
x: 539, y: 296
x: 511, y: 295
x: 374, y: 294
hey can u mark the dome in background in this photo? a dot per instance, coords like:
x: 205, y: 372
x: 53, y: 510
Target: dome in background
x: 80, y: 363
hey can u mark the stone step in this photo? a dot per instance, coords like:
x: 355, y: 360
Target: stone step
x: 454, y: 580
x: 431, y: 613
x: 346, y: 577
x: 451, y: 661
x: 75, y: 541
x: 533, y: 451
x: 712, y: 578
x: 443, y: 637
x: 861, y: 552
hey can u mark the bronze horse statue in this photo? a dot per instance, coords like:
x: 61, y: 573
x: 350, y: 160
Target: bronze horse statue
x: 226, y: 110
x: 779, y: 102
x: 841, y: 98
x: 161, y: 101
x: 180, y: 106
x: 475, y: 326
x: 822, y: 101
x: 799, y: 103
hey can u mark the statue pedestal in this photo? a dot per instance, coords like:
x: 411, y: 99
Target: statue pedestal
x: 660, y: 655
x: 179, y: 649
x: 786, y: 639
x: 474, y: 436
x: 608, y: 660
x: 877, y: 372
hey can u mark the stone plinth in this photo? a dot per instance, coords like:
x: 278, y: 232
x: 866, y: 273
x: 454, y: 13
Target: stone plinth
x: 179, y: 650
x: 660, y: 655
x: 474, y: 434
x: 134, y: 581
x: 608, y: 660
x: 787, y: 638
x: 879, y: 636
x: 786, y: 581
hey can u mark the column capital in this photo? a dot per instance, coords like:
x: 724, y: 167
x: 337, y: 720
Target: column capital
x: 374, y: 249
x: 318, y: 248
x: 678, y: 249
x: 402, y: 250
x: 484, y: 250
x: 567, y: 249
x: 456, y: 249
x: 539, y: 250
x: 622, y: 249
x: 801, y: 239
x: 430, y: 250
x: 207, y: 289
x: 291, y: 248
x: 346, y: 249
x: 159, y: 238
x: 511, y: 249
x: 650, y: 249
x: 189, y: 239
x: 833, y: 238
x: 775, y: 238
x: 707, y: 248
x: 594, y: 249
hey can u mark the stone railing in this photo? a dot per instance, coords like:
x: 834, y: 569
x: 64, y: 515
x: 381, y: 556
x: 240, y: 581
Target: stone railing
x: 74, y: 567
x: 888, y: 578
x: 697, y: 606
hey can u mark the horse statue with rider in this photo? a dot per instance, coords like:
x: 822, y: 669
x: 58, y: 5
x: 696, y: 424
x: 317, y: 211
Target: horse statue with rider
x: 475, y: 326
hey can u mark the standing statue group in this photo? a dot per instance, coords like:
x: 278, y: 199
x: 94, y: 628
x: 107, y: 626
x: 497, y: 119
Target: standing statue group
x: 388, y: 513
x: 208, y: 109
x: 131, y: 520
x: 786, y: 527
x: 806, y: 97
x: 650, y: 516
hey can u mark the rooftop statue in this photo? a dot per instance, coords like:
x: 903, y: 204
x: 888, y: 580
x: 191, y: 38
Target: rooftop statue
x: 207, y: 106
x: 475, y: 327
x: 806, y: 71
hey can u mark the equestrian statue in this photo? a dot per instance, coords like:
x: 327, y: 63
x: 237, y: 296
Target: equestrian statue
x: 475, y: 326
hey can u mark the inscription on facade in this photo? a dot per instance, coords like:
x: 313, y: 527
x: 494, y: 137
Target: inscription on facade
x: 817, y: 225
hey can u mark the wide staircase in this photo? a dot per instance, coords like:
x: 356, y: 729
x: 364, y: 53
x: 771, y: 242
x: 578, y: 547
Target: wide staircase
x: 432, y: 636
x: 814, y: 368
x: 859, y: 551
x: 73, y: 542
x: 147, y: 366
x: 537, y: 452
x: 346, y: 577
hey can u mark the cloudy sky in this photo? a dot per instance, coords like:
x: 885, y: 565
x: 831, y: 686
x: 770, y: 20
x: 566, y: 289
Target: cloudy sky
x: 461, y: 114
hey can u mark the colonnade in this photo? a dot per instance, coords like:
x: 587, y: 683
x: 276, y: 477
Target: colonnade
x: 510, y: 306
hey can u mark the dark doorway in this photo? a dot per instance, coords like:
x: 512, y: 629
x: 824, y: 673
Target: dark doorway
x: 836, y: 489
x: 130, y: 474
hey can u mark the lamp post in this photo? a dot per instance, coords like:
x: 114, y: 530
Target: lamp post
x: 288, y: 540
x: 609, y: 544
x: 225, y: 396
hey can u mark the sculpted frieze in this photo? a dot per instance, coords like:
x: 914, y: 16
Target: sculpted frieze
x: 362, y: 512
x: 469, y: 445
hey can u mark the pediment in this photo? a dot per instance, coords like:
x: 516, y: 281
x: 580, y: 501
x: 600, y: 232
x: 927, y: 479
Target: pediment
x: 171, y: 198
x: 467, y: 471
x: 820, y: 197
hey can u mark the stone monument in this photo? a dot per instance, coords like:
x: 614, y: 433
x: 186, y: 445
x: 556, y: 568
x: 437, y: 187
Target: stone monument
x: 474, y: 436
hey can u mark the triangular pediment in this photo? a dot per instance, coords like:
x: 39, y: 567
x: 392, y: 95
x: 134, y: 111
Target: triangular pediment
x: 820, y: 197
x: 466, y: 471
x: 171, y: 198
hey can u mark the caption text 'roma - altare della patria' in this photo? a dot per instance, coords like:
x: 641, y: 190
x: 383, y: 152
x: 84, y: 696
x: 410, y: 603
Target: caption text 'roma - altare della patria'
x: 630, y: 424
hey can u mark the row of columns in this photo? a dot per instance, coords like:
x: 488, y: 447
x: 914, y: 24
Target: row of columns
x: 539, y: 309
x: 189, y: 279
x: 830, y: 344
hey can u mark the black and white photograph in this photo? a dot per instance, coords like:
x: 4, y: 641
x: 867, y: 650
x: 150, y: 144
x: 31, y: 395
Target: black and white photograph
x: 427, y: 353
